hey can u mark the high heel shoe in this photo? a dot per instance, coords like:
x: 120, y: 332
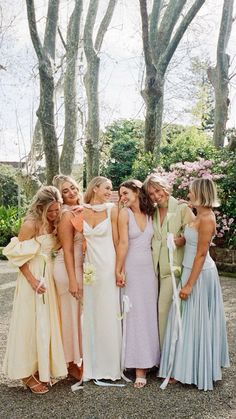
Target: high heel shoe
x: 35, y: 386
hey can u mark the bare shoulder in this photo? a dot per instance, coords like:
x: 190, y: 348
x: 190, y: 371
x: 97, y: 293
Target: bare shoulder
x: 207, y: 224
x: 67, y: 215
x: 66, y: 218
x: 27, y: 230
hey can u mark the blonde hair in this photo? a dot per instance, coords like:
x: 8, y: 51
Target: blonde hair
x: 37, y: 210
x: 95, y: 182
x: 156, y: 182
x: 205, y: 193
x: 59, y: 180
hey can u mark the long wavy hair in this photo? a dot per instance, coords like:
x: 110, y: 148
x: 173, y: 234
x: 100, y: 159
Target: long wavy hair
x: 41, y: 202
x: 59, y: 180
x: 146, y: 205
x: 95, y: 182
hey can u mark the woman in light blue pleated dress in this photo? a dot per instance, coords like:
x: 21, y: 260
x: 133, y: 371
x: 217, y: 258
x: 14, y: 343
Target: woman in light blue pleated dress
x: 195, y: 353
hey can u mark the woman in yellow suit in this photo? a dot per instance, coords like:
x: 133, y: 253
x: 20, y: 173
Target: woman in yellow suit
x: 170, y: 216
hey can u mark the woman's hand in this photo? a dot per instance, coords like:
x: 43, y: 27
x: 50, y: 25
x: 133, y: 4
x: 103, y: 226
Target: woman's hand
x: 184, y: 201
x: 179, y: 241
x: 34, y: 283
x: 74, y: 290
x: 120, y: 280
x: 78, y: 209
x: 185, y: 292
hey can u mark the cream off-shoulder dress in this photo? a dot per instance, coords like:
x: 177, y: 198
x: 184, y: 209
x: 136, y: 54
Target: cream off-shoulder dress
x: 34, y: 340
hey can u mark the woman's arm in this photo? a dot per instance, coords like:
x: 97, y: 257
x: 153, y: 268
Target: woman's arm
x: 187, y: 216
x: 27, y: 232
x: 205, y: 233
x: 123, y: 245
x: 114, y: 222
x: 66, y: 237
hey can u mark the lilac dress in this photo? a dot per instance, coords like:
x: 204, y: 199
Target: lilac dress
x: 142, y: 342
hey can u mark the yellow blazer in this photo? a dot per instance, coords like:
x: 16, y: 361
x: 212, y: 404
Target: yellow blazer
x: 178, y: 215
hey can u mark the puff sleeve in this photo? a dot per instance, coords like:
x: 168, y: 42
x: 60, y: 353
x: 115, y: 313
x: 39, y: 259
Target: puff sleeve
x: 20, y: 252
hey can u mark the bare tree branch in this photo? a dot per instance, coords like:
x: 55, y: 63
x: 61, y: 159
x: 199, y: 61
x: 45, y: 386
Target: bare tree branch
x: 104, y: 24
x: 167, y: 24
x: 154, y: 21
x: 168, y: 54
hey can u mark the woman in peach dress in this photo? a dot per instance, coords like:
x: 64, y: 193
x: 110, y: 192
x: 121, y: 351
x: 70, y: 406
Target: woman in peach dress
x: 68, y: 273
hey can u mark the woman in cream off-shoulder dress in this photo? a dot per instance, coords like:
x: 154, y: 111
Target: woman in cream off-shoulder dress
x: 34, y: 350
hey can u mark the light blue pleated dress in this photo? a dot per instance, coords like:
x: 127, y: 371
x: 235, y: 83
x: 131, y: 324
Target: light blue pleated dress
x: 197, y: 356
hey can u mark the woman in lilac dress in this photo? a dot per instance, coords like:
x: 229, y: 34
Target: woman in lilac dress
x: 135, y: 273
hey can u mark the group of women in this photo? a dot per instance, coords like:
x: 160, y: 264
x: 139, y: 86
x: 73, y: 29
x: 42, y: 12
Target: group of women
x: 94, y: 294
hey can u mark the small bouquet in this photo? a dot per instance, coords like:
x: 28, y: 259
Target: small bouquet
x: 177, y: 271
x: 89, y: 274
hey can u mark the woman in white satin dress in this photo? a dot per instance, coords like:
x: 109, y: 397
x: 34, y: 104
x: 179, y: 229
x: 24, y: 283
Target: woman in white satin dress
x: 101, y: 322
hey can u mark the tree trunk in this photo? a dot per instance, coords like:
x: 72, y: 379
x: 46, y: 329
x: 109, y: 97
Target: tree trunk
x: 161, y: 34
x: 153, y: 96
x: 45, y: 111
x: 219, y: 75
x: 70, y: 96
x: 91, y: 80
x: 158, y: 126
x: 92, y: 126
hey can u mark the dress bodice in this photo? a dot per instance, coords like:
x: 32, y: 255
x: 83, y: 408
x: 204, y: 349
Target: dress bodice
x: 191, y: 236
x: 47, y: 242
x: 102, y: 229
x: 138, y: 237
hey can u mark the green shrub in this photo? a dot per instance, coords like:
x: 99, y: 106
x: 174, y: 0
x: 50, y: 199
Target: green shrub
x: 185, y: 144
x: 9, y: 191
x: 10, y: 222
x: 143, y: 166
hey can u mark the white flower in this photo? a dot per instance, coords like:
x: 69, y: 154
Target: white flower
x: 89, y: 274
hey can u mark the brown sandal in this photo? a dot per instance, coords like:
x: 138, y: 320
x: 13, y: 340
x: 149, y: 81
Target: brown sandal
x: 75, y: 371
x: 36, y: 386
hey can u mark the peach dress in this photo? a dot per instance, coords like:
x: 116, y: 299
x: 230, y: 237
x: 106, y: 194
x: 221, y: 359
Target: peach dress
x: 70, y: 308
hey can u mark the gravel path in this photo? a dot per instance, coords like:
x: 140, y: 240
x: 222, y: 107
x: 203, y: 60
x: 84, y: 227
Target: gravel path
x: 177, y: 401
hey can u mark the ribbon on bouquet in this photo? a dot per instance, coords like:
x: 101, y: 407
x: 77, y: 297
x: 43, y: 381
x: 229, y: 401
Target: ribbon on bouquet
x: 42, y: 319
x: 177, y: 327
x: 77, y: 386
x: 126, y: 306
